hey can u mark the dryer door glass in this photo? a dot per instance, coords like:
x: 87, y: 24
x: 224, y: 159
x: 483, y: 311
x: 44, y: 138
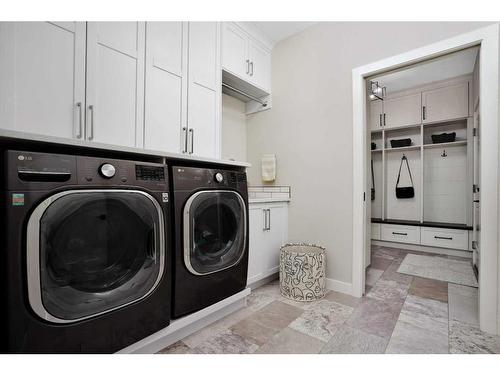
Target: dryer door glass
x: 98, y: 250
x: 214, y: 231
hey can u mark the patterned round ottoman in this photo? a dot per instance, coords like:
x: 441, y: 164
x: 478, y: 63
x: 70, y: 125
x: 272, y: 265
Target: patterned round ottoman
x: 302, y: 272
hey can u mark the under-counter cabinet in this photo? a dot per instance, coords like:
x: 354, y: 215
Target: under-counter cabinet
x: 42, y: 75
x: 245, y: 57
x: 268, y: 231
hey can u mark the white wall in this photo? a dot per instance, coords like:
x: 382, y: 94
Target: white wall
x: 309, y: 126
x: 234, y: 129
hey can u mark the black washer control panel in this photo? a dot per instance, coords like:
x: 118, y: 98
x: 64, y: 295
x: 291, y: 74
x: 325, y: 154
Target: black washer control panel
x: 149, y: 173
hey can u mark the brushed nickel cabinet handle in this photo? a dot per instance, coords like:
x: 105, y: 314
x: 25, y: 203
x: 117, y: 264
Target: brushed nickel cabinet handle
x: 248, y: 66
x: 91, y: 132
x: 185, y: 140
x: 191, y: 131
x: 79, y: 107
x: 269, y: 220
x: 264, y: 227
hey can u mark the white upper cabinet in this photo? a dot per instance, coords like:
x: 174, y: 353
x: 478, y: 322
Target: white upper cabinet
x: 402, y: 111
x: 446, y: 103
x: 42, y: 75
x: 245, y: 57
x: 204, y: 94
x: 124, y: 83
x: 375, y: 117
x: 260, y: 65
x: 166, y: 79
x: 115, y: 82
x: 235, y: 50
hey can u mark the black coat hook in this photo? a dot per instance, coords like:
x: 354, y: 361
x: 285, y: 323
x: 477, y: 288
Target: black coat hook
x: 444, y: 154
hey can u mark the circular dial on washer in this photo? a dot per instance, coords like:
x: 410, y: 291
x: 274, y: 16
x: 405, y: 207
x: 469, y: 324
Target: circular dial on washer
x: 107, y: 170
x: 219, y: 177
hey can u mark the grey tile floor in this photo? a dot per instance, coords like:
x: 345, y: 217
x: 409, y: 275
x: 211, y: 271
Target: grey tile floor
x: 399, y: 314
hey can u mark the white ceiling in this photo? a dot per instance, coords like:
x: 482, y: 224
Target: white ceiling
x: 445, y: 67
x: 277, y: 31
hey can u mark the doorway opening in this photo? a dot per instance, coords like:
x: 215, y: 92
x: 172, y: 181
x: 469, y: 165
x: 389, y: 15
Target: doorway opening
x: 416, y: 144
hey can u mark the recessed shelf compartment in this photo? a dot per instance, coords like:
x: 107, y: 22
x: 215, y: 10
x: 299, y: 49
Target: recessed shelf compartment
x: 410, y: 132
x: 458, y: 127
x: 378, y: 140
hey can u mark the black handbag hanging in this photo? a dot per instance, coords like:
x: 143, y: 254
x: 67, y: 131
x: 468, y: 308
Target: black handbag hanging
x: 373, y: 185
x: 408, y: 191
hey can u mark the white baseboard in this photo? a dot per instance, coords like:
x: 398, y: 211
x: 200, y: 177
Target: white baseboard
x: 263, y: 281
x: 183, y: 327
x: 425, y: 249
x: 339, y: 286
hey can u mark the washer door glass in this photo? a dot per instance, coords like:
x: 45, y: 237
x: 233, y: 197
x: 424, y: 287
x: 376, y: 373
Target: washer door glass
x: 99, y: 250
x: 214, y: 231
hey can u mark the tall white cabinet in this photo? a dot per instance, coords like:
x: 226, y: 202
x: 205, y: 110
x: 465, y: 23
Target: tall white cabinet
x: 155, y: 85
x: 166, y: 86
x: 204, y: 89
x: 42, y: 75
x: 115, y: 82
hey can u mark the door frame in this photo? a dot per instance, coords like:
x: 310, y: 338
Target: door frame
x: 488, y: 39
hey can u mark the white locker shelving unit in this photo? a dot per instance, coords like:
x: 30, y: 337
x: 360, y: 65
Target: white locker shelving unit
x: 440, y: 214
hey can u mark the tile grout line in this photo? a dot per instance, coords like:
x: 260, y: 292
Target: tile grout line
x: 392, y: 333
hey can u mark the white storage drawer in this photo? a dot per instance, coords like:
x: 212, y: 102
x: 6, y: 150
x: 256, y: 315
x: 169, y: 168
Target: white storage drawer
x: 450, y: 238
x: 375, y: 231
x: 400, y: 233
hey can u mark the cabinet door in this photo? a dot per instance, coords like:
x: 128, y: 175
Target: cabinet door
x: 260, y: 65
x: 166, y: 85
x: 375, y: 115
x: 42, y: 75
x: 204, y: 89
x: 256, y: 244
x: 275, y: 237
x: 115, y: 82
x: 402, y: 111
x: 446, y: 103
x: 234, y: 50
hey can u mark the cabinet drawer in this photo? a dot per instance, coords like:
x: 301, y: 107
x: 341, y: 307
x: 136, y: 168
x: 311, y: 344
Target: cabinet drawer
x: 400, y: 233
x: 450, y: 238
x: 375, y: 231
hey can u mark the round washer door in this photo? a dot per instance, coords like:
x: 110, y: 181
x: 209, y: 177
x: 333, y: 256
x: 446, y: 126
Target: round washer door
x: 93, y: 251
x: 214, y: 231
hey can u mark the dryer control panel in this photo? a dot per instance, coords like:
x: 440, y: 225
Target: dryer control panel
x: 186, y: 178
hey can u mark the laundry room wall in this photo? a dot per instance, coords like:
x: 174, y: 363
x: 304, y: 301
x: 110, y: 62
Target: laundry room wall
x: 234, y: 129
x: 309, y: 126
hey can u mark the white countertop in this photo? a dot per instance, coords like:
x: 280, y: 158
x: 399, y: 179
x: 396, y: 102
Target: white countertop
x: 269, y: 194
x: 16, y: 135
